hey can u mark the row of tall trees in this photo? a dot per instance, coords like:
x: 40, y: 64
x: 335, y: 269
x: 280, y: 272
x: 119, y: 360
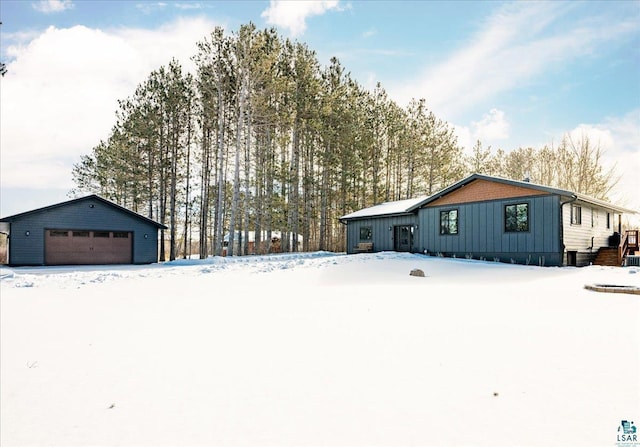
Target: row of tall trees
x: 575, y: 164
x: 261, y: 138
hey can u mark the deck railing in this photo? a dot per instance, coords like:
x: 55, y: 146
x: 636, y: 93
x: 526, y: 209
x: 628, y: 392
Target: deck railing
x: 628, y: 243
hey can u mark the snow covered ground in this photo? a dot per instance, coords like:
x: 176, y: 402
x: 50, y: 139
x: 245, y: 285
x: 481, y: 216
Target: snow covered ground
x: 317, y: 349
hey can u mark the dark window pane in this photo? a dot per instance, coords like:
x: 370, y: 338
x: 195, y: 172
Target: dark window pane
x: 449, y: 222
x: 576, y: 214
x: 100, y: 234
x: 58, y: 233
x: 453, y: 222
x: 522, y: 216
x: 516, y: 217
x: 365, y: 233
x: 120, y: 234
x: 80, y: 234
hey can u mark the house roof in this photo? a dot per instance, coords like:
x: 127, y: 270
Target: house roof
x: 82, y: 199
x: 525, y: 184
x: 410, y: 205
x: 604, y: 204
x: 387, y: 209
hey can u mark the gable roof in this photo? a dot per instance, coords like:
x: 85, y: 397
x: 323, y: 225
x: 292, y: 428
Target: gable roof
x: 396, y: 207
x: 408, y: 206
x: 529, y: 185
x: 83, y: 199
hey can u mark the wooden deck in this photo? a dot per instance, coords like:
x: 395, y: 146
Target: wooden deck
x: 615, y: 256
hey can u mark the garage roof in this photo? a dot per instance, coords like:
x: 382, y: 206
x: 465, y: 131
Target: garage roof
x: 82, y: 199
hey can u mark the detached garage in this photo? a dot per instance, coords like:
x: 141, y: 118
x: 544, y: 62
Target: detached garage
x: 88, y: 230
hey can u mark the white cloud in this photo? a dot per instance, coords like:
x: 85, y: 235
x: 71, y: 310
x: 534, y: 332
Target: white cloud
x: 465, y: 137
x: 490, y: 130
x: 185, y: 5
x: 492, y: 126
x: 51, y: 6
x: 619, y: 139
x: 292, y: 15
x: 149, y: 7
x: 15, y: 43
x: 517, y: 44
x: 60, y: 94
x: 369, y: 33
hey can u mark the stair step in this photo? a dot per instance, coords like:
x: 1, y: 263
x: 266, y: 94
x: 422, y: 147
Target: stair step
x: 607, y: 257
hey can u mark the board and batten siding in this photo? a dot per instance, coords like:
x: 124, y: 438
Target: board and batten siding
x: 83, y: 215
x: 381, y: 236
x: 26, y: 249
x: 481, y: 232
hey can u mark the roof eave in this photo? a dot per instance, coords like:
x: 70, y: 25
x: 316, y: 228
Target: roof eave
x: 345, y: 219
x: 12, y: 218
x: 604, y: 204
x: 547, y: 189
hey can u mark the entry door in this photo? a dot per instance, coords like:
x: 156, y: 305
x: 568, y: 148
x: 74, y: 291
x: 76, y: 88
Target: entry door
x: 403, y: 239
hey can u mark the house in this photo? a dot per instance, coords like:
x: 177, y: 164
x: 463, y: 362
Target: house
x: 492, y: 218
x: 389, y: 226
x: 88, y: 230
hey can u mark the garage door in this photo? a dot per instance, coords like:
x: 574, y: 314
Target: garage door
x: 88, y: 247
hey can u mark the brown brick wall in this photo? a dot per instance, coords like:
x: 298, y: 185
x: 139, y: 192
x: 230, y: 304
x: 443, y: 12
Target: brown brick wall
x: 480, y: 190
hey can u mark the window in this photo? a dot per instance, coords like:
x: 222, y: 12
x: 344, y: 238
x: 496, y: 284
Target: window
x: 100, y: 234
x: 608, y: 220
x: 365, y: 233
x: 516, y: 217
x: 58, y: 233
x: 576, y: 215
x: 449, y: 222
x: 80, y: 234
x: 120, y: 234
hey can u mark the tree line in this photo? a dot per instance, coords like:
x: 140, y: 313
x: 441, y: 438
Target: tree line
x: 262, y: 138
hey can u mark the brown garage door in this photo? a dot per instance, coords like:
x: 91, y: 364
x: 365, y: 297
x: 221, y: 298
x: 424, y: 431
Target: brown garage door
x: 87, y: 247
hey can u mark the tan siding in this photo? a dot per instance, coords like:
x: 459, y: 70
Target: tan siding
x: 578, y: 237
x: 480, y: 190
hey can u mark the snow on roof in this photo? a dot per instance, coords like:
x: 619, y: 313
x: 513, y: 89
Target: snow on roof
x: 408, y: 205
x: 386, y: 208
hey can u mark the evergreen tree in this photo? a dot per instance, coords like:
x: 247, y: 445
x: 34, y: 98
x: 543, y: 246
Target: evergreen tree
x: 263, y: 138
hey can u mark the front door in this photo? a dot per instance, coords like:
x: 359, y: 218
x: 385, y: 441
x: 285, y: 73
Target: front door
x: 403, y: 237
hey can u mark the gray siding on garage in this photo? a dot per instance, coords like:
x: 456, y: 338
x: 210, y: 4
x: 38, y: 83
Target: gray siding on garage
x: 481, y: 231
x: 382, y: 237
x: 92, y: 214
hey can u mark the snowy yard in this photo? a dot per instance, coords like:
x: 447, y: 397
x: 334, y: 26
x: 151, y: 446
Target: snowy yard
x: 317, y: 349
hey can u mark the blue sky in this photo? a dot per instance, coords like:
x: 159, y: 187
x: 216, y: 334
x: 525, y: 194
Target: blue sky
x: 511, y: 74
